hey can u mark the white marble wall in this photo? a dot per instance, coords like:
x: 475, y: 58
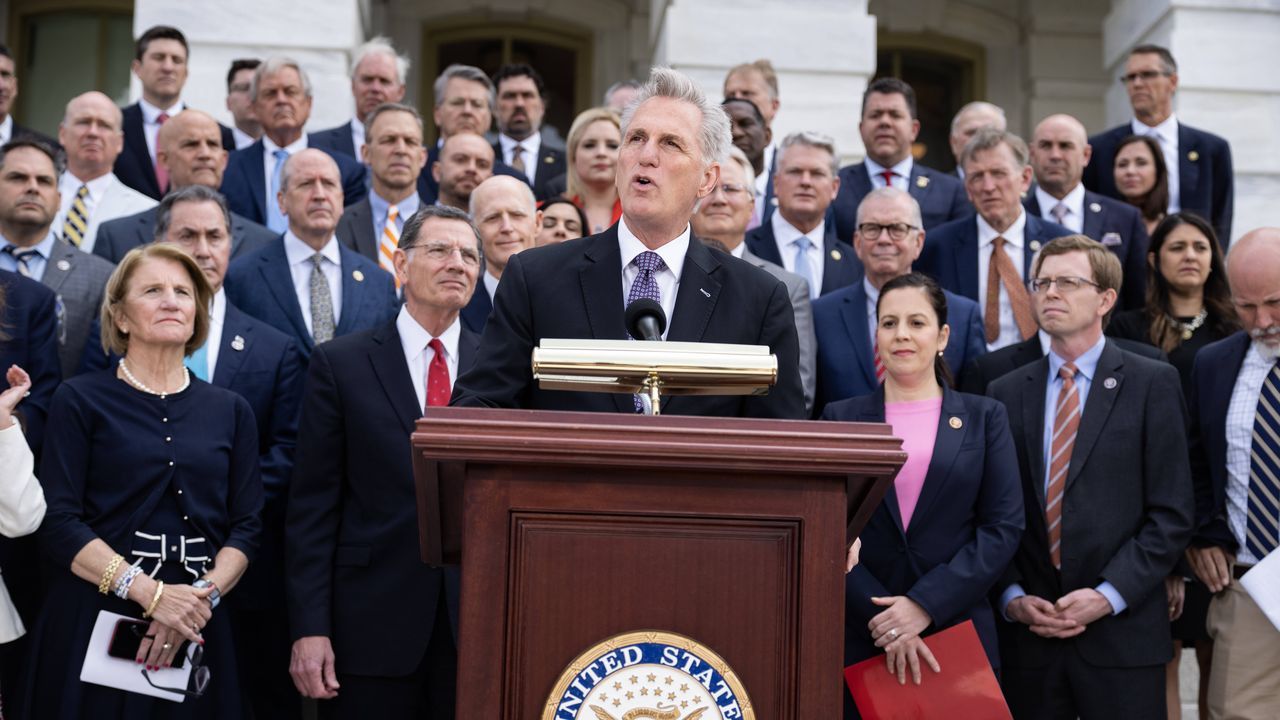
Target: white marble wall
x: 1227, y: 52
x: 319, y: 35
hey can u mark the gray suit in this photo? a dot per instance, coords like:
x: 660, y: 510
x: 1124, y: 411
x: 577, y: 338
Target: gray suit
x: 79, y: 279
x: 119, y: 236
x: 355, y: 230
x: 798, y: 292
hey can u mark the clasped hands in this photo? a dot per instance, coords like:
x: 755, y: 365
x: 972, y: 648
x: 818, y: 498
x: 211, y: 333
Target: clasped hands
x: 180, y: 614
x: 1066, y: 618
x: 897, y: 630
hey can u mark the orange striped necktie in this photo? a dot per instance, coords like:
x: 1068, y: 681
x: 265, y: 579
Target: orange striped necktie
x: 1066, y: 422
x: 388, y: 242
x: 1001, y: 271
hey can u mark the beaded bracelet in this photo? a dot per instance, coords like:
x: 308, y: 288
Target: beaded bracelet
x: 126, y: 580
x: 155, y: 600
x: 104, y: 584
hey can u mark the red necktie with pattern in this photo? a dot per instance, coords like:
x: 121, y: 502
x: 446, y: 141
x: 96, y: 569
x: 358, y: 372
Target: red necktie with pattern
x: 437, y: 376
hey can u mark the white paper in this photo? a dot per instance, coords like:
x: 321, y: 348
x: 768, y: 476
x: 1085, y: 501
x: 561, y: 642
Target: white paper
x: 1263, y: 585
x: 102, y: 669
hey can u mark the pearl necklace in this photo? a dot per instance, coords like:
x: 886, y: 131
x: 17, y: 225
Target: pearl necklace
x: 1189, y: 329
x: 186, y: 381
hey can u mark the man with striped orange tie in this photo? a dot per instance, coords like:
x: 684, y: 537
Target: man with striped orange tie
x: 395, y: 155
x: 1103, y: 457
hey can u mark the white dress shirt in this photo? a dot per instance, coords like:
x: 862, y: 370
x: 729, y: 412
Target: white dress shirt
x: 785, y: 235
x: 357, y: 135
x: 151, y: 123
x: 217, y: 318
x: 69, y: 185
x: 1241, y: 414
x: 6, y: 129
x: 243, y: 139
x: 530, y: 153
x: 1166, y: 133
x: 490, y: 284
x: 414, y: 340
x: 1074, y: 200
x: 22, y: 507
x: 668, y: 278
x: 1014, y: 248
x: 901, y: 178
x: 298, y: 253
x: 269, y: 160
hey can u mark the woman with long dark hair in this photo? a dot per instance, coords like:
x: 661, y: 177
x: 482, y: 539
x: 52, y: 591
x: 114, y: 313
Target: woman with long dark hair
x: 1142, y: 178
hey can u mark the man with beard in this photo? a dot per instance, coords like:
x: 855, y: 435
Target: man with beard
x: 466, y: 160
x: 751, y: 135
x: 521, y: 107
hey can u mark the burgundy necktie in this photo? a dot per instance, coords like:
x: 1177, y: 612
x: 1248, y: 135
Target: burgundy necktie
x: 888, y: 176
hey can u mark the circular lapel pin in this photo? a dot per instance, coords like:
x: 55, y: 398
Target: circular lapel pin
x: 835, y: 255
x: 1109, y: 383
x: 359, y: 276
x: 1193, y: 156
x: 1035, y: 245
x: 63, y: 265
x: 956, y: 423
x: 237, y: 343
x: 1095, y: 207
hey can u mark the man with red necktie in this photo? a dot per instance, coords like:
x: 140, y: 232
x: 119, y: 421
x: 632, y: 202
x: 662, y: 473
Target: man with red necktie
x: 358, y: 593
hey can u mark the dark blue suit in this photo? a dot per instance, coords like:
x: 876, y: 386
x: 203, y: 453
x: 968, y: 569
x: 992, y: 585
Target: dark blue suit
x: 942, y: 198
x: 338, y: 139
x: 951, y: 252
x: 354, y: 573
x: 846, y: 367
x: 429, y: 189
x: 476, y: 313
x: 29, y: 339
x: 1119, y: 226
x: 134, y: 166
x: 260, y: 283
x: 1206, y: 184
x: 245, y: 183
x: 964, y: 530
x: 117, y: 237
x: 1213, y: 382
x: 840, y: 266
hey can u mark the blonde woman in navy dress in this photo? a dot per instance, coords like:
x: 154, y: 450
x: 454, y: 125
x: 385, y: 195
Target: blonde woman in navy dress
x: 153, y: 502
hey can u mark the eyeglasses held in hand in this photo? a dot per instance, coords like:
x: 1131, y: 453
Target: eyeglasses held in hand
x: 199, y: 674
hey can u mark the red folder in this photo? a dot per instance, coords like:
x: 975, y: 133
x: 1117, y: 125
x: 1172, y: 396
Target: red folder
x: 966, y: 687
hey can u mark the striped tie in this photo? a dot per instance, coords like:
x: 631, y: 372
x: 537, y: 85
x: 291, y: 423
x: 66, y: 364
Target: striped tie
x: 1066, y: 421
x: 22, y: 258
x: 77, y: 222
x: 1264, y: 470
x: 388, y: 243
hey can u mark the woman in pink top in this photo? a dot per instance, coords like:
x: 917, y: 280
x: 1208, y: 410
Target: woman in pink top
x: 952, y: 521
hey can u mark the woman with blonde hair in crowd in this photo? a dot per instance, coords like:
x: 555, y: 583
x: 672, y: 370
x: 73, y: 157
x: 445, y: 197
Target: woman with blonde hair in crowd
x: 593, y: 143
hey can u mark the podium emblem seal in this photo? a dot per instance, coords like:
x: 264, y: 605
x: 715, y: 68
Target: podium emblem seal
x: 648, y: 674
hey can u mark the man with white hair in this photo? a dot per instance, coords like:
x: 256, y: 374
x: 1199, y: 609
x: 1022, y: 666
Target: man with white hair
x: 973, y: 117
x: 672, y: 139
x: 377, y: 77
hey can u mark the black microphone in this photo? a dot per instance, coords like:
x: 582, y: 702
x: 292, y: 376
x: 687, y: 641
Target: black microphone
x: 646, y: 320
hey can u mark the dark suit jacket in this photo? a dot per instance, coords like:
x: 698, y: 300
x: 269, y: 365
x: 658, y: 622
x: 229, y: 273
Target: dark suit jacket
x: 964, y: 530
x: 80, y: 288
x: 337, y: 139
x: 1127, y: 508
x: 551, y: 164
x: 261, y: 285
x: 840, y: 266
x: 29, y: 339
x: 117, y: 237
x: 1119, y: 226
x: 846, y: 365
x: 476, y: 314
x: 978, y: 375
x: 245, y: 184
x: 135, y: 167
x: 1213, y: 381
x: 354, y: 573
x: 942, y: 199
x: 950, y: 253
x: 429, y: 189
x: 574, y: 290
x: 1206, y: 183
x: 355, y: 229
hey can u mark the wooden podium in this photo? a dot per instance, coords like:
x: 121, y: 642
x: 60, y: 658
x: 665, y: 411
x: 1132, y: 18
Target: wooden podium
x: 575, y: 527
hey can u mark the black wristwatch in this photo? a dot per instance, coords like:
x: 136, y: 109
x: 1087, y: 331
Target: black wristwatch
x: 215, y: 597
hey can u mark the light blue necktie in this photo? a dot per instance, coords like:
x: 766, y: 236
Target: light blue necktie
x: 802, y: 266
x: 275, y: 219
x: 198, y: 363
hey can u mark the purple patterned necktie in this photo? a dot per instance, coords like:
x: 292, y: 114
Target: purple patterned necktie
x: 645, y: 286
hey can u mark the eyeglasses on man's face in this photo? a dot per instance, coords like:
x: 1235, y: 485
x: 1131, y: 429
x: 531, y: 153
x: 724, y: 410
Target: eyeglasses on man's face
x: 897, y: 231
x: 440, y: 252
x: 1065, y: 283
x: 1145, y: 76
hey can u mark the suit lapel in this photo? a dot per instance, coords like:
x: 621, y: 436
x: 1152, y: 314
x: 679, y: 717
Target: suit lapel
x: 1094, y: 222
x: 1215, y: 403
x: 353, y: 291
x: 1188, y: 170
x: 231, y: 357
x: 1033, y: 391
x: 697, y: 295
x: 135, y: 142
x: 362, y: 219
x: 253, y: 167
x: 62, y: 256
x: 1032, y: 237
x: 601, y: 280
x: 874, y: 412
x: 946, y: 446
x: 1097, y: 408
x: 853, y: 311
x: 967, y: 260
x: 386, y: 355
x: 837, y: 267
x: 1032, y: 203
x: 274, y: 269
x: 767, y: 213
x: 468, y: 348
x: 763, y: 245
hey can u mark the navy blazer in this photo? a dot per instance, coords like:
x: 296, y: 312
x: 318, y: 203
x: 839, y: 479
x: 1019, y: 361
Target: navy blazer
x: 942, y: 197
x: 986, y: 369
x: 574, y: 290
x: 244, y: 183
x: 354, y: 573
x: 477, y: 311
x: 117, y: 237
x: 963, y: 533
x: 260, y: 284
x: 1213, y: 381
x: 134, y: 166
x: 950, y: 253
x: 1206, y: 183
x: 429, y: 189
x: 846, y: 366
x: 1127, y: 505
x: 840, y: 266
x: 337, y: 139
x: 1119, y: 226
x: 29, y: 330
x: 551, y: 165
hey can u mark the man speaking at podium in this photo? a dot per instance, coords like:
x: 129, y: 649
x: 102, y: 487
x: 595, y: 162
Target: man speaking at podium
x: 672, y: 141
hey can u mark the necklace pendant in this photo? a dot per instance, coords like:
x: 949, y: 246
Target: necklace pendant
x: 1186, y: 333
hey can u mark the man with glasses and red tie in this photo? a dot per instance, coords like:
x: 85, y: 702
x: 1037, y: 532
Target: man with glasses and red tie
x: 1109, y: 507
x: 360, y: 599
x: 1198, y: 162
